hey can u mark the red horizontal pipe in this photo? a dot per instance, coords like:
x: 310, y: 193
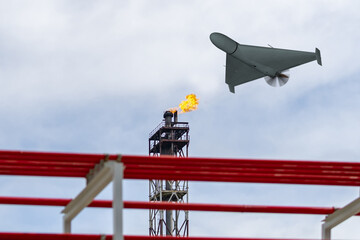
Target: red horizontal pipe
x: 50, y: 201
x: 204, y: 166
x: 175, y: 206
x: 250, y: 170
x: 198, y: 238
x: 226, y: 178
x: 189, y: 178
x: 75, y: 171
x: 49, y: 171
x: 42, y: 173
x: 229, y: 208
x: 43, y: 163
x: 135, y: 167
x: 216, y: 161
x: 43, y: 155
x: 179, y: 173
x: 199, y: 169
x: 126, y: 159
x: 52, y: 154
x: 34, y: 201
x: 50, y: 157
x: 57, y: 236
x: 240, y: 164
x: 192, y: 170
x: 51, y: 236
x: 47, y: 168
x: 244, y: 180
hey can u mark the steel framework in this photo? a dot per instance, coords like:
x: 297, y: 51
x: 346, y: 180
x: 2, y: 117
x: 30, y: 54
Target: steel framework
x: 44, y: 236
x: 176, y: 206
x: 100, y: 169
x: 169, y: 138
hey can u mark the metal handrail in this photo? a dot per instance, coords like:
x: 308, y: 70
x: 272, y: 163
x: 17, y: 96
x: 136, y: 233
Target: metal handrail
x: 174, y: 124
x: 156, y: 129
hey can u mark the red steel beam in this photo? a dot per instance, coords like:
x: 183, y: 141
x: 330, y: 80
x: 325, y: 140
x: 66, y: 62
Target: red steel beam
x: 42, y: 173
x: 57, y: 236
x: 213, y: 170
x: 197, y: 169
x: 198, y: 238
x: 47, y: 168
x: 243, y: 179
x: 43, y: 163
x: 51, y: 236
x: 229, y: 208
x: 153, y: 174
x: 186, y: 161
x: 231, y: 162
x: 194, y: 177
x: 51, y: 154
x: 176, y: 206
x: 39, y: 156
x: 251, y: 169
x: 179, y: 173
x: 192, y: 161
x: 50, y: 201
x: 251, y: 173
x: 46, y: 158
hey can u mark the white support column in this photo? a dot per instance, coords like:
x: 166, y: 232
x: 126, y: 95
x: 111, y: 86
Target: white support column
x: 118, y: 204
x: 87, y: 195
x: 338, y: 217
x: 325, y: 232
x: 66, y: 226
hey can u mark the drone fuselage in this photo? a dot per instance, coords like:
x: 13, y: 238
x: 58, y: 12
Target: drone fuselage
x: 230, y: 46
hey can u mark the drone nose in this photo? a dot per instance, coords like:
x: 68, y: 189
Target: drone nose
x: 223, y: 42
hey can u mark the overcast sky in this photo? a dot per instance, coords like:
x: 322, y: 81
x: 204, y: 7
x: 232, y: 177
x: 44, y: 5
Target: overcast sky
x: 96, y: 76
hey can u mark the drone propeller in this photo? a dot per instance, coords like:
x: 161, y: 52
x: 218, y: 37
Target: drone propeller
x: 279, y: 80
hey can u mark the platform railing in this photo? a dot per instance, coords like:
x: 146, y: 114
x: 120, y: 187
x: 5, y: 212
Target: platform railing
x: 173, y: 124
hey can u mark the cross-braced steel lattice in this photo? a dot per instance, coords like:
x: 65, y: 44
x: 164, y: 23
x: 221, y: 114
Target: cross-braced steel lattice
x: 170, y: 137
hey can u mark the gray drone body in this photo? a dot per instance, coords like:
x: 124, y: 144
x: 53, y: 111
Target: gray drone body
x: 245, y: 63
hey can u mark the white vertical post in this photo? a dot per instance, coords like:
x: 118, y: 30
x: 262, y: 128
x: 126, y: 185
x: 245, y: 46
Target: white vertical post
x: 66, y: 226
x: 325, y: 232
x: 338, y: 217
x: 118, y: 203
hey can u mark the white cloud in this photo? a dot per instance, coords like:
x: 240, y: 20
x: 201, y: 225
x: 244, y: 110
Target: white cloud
x: 95, y: 76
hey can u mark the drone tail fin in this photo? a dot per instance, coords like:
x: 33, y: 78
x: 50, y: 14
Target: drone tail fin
x: 232, y: 88
x: 318, y: 56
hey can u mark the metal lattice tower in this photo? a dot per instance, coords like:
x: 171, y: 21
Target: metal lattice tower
x: 170, y: 137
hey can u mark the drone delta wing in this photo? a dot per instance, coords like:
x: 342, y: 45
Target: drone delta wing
x: 238, y: 72
x: 275, y: 58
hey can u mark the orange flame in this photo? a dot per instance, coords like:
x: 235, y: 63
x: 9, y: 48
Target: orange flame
x: 190, y: 104
x: 173, y: 110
